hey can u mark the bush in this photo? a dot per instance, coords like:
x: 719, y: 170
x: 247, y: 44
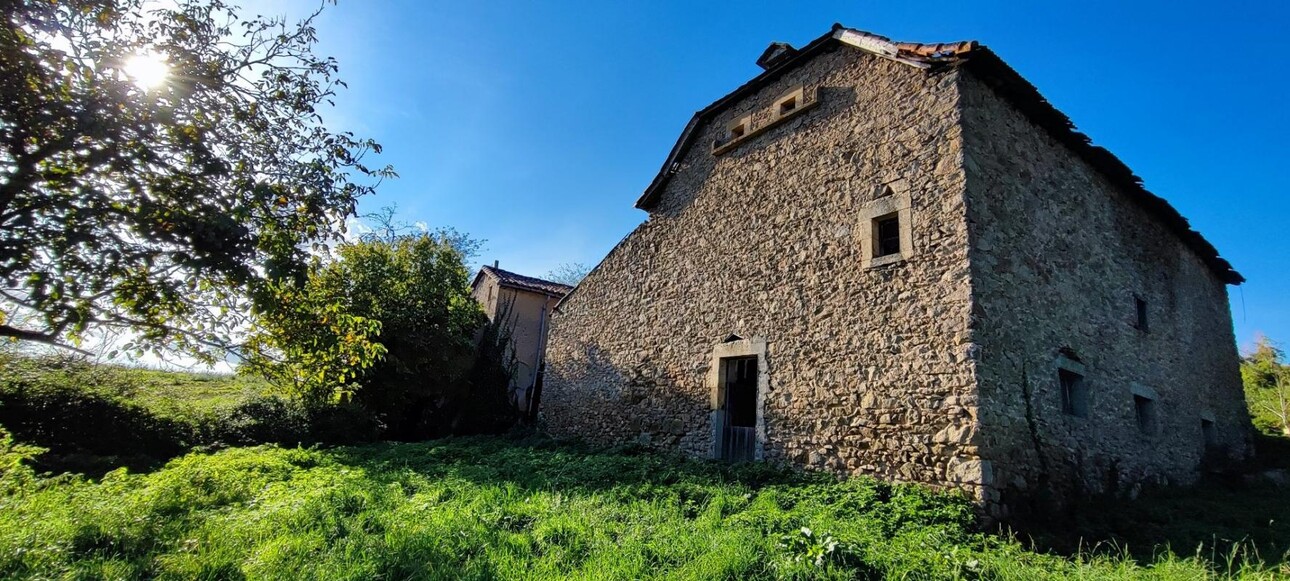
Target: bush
x: 15, y: 464
x: 276, y: 420
x: 91, y: 418
x: 43, y: 401
x: 390, y: 325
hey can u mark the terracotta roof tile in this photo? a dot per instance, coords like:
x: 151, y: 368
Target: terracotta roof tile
x: 510, y: 279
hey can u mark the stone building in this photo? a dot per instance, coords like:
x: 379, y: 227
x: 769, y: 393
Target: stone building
x: 898, y: 259
x: 525, y: 303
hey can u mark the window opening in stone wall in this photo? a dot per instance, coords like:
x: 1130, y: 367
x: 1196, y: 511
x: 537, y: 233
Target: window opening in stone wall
x: 739, y: 432
x: 1144, y: 409
x: 1140, y: 304
x: 1207, y: 432
x: 1074, y: 393
x: 738, y: 130
x: 788, y: 105
x: 887, y: 234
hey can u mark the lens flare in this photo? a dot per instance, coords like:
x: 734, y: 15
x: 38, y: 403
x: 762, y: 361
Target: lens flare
x: 148, y: 71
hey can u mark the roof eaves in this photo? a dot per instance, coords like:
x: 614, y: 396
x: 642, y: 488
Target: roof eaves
x: 514, y: 280
x: 1001, y: 78
x: 686, y: 140
x: 1014, y: 88
x: 922, y: 56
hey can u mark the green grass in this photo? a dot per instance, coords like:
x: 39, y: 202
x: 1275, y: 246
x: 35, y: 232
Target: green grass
x: 492, y: 508
x: 177, y: 395
x: 93, y: 418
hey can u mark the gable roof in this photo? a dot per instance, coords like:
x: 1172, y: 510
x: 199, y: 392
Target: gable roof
x: 1001, y: 78
x: 508, y: 279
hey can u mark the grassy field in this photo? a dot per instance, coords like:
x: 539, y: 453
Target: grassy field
x: 492, y: 508
x: 499, y: 508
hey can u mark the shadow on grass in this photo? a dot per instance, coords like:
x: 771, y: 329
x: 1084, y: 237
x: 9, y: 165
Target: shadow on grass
x: 1211, y: 520
x: 539, y: 463
x: 89, y: 433
x: 1216, y: 519
x: 92, y: 433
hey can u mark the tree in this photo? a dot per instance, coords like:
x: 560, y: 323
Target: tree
x: 1261, y: 367
x: 1267, y: 386
x: 163, y: 166
x: 402, y: 303
x: 570, y: 273
x: 384, y: 226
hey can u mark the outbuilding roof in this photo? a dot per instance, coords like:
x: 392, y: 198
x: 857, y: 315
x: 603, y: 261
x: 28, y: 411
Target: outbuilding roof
x: 987, y: 66
x: 508, y: 279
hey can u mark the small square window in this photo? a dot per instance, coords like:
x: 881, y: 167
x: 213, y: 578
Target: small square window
x: 787, y: 105
x: 1140, y: 305
x: 1144, y: 409
x: 886, y: 235
x: 738, y: 131
x: 1074, y: 393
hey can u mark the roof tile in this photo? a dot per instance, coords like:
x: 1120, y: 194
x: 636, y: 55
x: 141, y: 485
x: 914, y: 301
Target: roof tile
x: 514, y: 280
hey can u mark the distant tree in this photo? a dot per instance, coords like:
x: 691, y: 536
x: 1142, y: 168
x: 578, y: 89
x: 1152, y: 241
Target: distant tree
x: 1261, y: 367
x: 384, y: 226
x: 570, y: 273
x: 1267, y: 386
x: 163, y: 165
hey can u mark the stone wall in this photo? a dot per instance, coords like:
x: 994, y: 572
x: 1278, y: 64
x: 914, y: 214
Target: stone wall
x: 1058, y: 258
x: 868, y: 368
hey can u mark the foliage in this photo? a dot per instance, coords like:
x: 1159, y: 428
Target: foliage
x: 570, y: 273
x: 162, y: 209
x: 384, y: 226
x: 390, y: 323
x: 179, y: 395
x: 72, y: 409
x: 1267, y: 387
x: 277, y: 420
x: 487, y: 407
x: 488, y: 508
x: 91, y: 418
x: 311, y: 343
x: 15, y: 459
x: 1262, y: 366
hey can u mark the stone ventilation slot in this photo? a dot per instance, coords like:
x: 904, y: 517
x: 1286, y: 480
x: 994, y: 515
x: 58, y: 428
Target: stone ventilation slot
x: 1144, y: 409
x: 1074, y: 393
x: 788, y: 105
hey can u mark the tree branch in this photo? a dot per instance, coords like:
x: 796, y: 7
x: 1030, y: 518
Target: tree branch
x: 38, y: 337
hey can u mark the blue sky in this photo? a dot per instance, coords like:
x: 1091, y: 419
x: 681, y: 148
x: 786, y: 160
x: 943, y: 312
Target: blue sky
x: 536, y: 125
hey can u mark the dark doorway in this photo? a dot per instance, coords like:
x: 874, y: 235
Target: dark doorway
x: 739, y: 430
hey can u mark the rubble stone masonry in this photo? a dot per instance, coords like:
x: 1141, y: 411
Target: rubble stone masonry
x: 868, y: 369
x: 938, y: 365
x: 1060, y: 259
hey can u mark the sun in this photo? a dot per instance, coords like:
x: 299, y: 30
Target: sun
x: 148, y: 70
